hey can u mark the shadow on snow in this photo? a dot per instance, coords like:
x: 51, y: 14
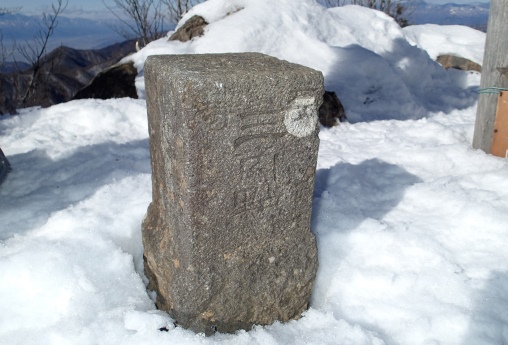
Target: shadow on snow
x: 56, y: 184
x: 402, y: 83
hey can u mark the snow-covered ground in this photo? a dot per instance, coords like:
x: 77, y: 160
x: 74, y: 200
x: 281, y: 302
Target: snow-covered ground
x: 411, y: 222
x: 447, y: 39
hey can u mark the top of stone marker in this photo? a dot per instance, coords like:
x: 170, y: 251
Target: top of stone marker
x: 217, y: 63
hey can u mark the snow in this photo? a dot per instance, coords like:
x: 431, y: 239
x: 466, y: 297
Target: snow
x: 448, y: 39
x: 398, y: 79
x: 411, y: 222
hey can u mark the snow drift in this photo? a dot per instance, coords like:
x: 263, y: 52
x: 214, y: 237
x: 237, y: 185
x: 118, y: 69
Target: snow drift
x: 411, y: 223
x: 398, y: 80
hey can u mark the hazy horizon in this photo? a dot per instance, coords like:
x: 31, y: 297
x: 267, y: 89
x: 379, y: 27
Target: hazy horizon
x: 94, y: 8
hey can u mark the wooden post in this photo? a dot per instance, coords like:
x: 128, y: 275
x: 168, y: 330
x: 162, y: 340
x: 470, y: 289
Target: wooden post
x: 500, y: 141
x: 495, y: 62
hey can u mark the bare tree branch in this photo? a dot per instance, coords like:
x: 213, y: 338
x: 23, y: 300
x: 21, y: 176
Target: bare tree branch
x: 177, y: 8
x: 6, y: 53
x: 399, y: 10
x: 35, y: 50
x: 144, y: 19
x: 335, y: 3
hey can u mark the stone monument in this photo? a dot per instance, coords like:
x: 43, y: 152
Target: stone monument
x: 233, y: 143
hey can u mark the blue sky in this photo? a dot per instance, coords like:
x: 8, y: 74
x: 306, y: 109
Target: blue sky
x: 39, y: 6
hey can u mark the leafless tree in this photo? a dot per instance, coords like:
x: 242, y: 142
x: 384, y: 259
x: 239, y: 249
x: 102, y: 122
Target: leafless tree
x: 177, y: 8
x: 6, y: 52
x: 335, y: 3
x: 35, y: 50
x: 141, y: 19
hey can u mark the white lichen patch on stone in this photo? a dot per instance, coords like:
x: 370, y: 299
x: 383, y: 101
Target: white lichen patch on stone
x: 301, y: 117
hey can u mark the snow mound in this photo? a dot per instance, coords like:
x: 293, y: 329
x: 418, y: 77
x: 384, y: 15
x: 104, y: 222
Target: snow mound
x: 363, y: 54
x: 448, y: 39
x: 411, y: 223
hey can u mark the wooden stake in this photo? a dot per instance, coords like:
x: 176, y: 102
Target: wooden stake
x: 494, y: 74
x: 500, y: 137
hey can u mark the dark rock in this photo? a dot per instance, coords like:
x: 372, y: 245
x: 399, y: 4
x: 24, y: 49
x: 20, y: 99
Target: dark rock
x: 451, y: 61
x: 5, y: 167
x: 233, y: 143
x: 65, y: 71
x: 194, y: 27
x: 7, y: 93
x: 115, y: 82
x: 331, y: 110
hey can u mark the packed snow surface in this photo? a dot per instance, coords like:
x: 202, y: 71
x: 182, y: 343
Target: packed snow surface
x: 411, y: 222
x: 398, y: 80
x: 448, y: 39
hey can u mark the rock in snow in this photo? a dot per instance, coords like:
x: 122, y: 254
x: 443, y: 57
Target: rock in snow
x: 5, y: 167
x: 193, y: 27
x: 116, y: 81
x: 331, y: 111
x: 457, y: 62
x: 231, y: 206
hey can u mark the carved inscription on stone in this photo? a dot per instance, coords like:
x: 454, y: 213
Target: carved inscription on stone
x: 254, y: 152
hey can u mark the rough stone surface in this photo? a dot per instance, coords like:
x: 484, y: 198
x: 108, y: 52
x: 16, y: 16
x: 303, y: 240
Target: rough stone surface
x: 457, y: 62
x: 114, y: 82
x: 5, y: 167
x: 233, y: 143
x: 332, y: 110
x: 194, y: 27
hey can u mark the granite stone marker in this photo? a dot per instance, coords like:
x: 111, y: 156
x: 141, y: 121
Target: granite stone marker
x: 233, y: 143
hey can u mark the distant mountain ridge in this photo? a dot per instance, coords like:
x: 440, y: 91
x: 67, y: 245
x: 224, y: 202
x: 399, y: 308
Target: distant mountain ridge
x: 76, y: 32
x: 79, y: 33
x: 474, y: 15
x: 72, y: 68
x: 69, y: 70
x: 88, y: 33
